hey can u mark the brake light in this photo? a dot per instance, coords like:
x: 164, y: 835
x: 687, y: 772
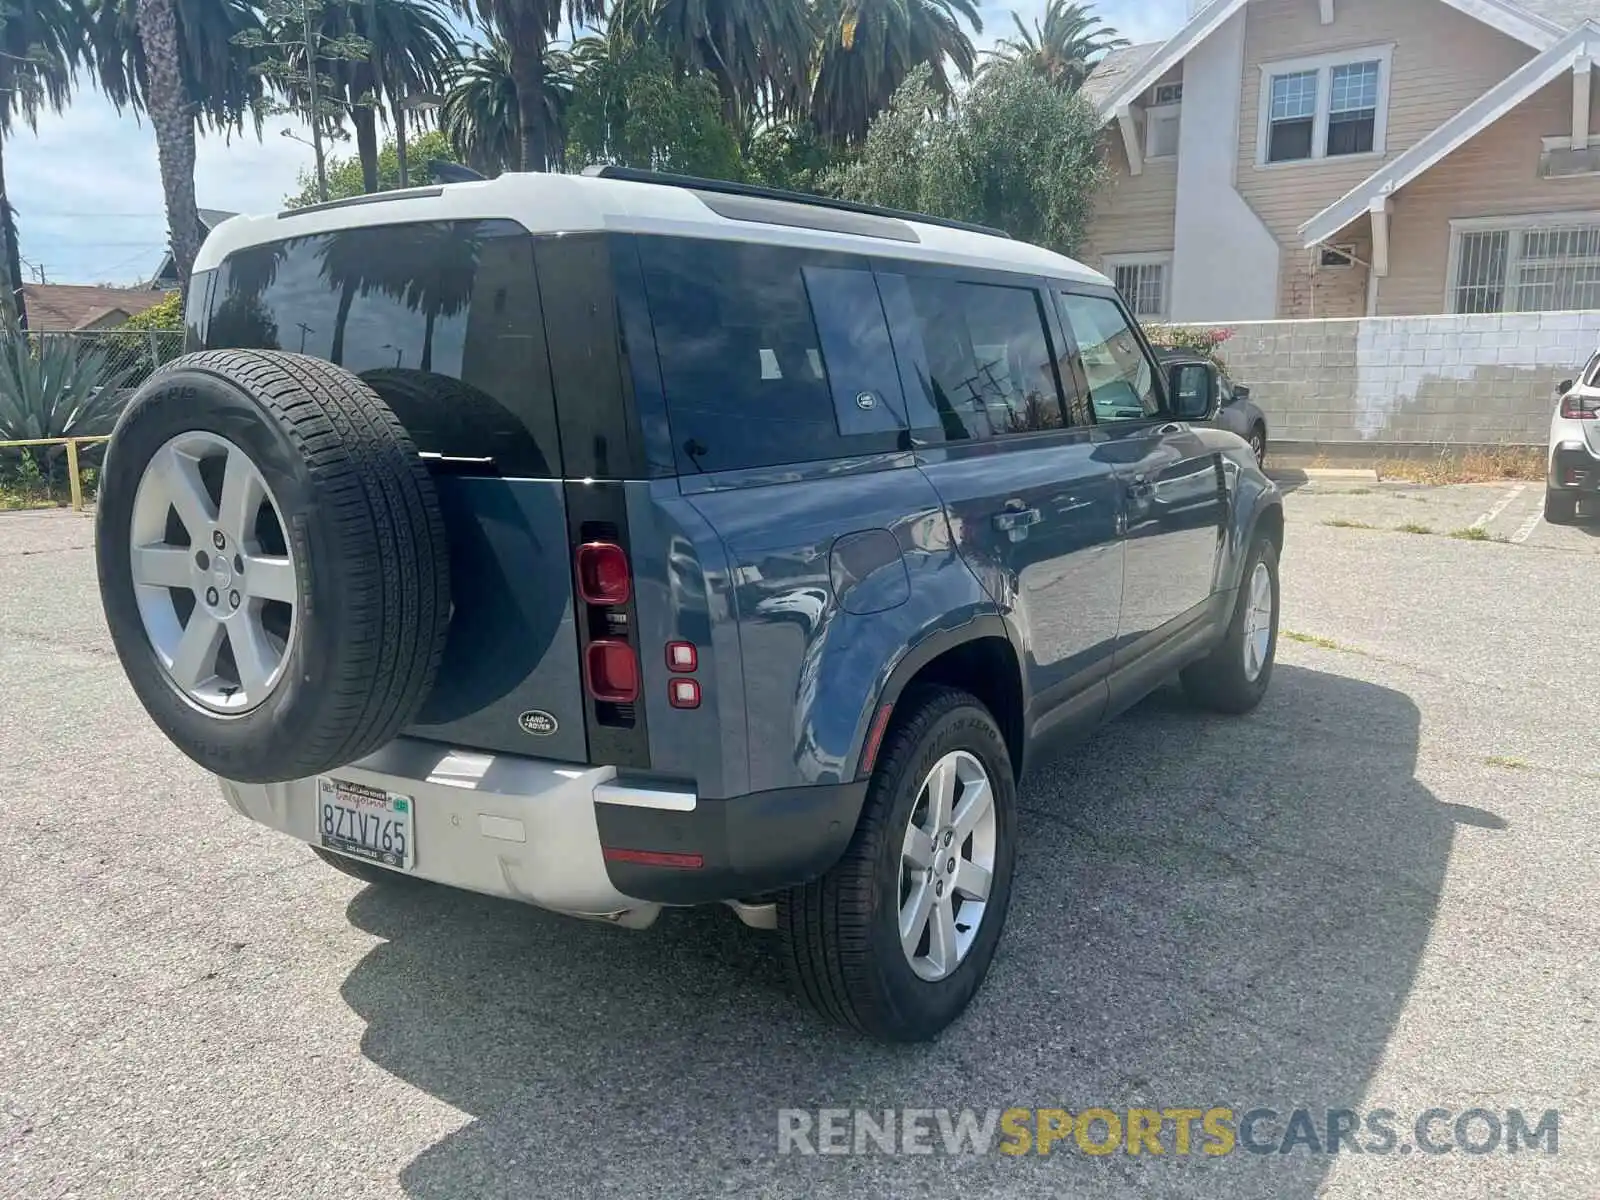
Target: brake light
x: 611, y: 671
x: 1579, y: 408
x: 603, y: 574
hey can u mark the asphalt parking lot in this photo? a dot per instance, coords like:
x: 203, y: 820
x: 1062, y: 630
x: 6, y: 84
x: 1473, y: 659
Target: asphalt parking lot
x: 1376, y: 892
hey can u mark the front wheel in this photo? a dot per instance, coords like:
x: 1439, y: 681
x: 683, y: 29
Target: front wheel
x: 1258, y: 444
x: 896, y: 938
x: 1234, y: 677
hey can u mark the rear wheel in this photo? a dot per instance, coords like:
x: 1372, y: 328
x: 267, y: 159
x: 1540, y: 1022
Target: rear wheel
x: 1234, y: 677
x: 1560, y: 508
x: 896, y: 939
x: 1258, y: 443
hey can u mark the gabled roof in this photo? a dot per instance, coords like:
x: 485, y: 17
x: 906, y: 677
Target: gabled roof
x: 53, y: 306
x: 1537, y: 23
x: 1113, y: 69
x: 1582, y: 42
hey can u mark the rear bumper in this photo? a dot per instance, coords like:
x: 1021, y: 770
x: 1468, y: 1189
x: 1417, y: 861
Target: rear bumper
x: 576, y: 839
x: 1574, y: 468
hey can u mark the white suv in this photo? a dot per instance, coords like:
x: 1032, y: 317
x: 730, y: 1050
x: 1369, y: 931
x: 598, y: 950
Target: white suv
x: 1574, y: 464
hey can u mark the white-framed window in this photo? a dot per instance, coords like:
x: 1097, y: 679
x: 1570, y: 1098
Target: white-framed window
x: 1331, y: 106
x: 1145, y: 281
x: 1161, y: 125
x: 1167, y: 93
x: 1337, y: 258
x: 1542, y: 263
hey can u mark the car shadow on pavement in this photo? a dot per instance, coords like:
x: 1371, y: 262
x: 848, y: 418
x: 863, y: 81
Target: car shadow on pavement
x: 1207, y: 913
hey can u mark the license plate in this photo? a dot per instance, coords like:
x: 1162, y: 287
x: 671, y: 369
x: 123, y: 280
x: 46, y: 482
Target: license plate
x: 366, y: 822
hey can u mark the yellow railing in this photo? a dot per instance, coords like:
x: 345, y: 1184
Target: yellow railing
x: 72, y: 444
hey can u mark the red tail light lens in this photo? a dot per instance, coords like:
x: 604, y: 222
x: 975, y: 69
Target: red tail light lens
x: 611, y: 671
x: 603, y: 574
x: 1579, y: 408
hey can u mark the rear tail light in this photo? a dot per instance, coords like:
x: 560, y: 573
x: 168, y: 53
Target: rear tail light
x: 603, y: 574
x: 1579, y: 408
x: 611, y: 671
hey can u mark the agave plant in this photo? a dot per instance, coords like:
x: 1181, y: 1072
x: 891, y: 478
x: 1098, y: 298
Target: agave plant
x: 55, y: 387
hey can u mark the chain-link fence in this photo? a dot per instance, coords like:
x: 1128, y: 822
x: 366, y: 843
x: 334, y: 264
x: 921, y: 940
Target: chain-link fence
x: 60, y: 385
x: 129, y: 355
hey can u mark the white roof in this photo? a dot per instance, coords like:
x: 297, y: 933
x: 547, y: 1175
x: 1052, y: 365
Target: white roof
x: 1531, y: 28
x: 1583, y: 42
x: 579, y: 204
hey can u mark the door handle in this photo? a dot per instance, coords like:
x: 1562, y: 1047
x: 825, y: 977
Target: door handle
x: 1017, y: 518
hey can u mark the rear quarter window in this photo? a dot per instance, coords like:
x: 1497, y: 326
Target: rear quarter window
x: 441, y: 319
x: 769, y: 354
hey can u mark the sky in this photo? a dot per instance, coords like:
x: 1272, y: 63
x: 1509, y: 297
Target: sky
x: 87, y: 188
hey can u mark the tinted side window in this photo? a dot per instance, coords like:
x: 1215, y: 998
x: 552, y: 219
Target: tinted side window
x: 1121, y: 378
x: 750, y: 379
x: 441, y: 319
x: 197, y: 310
x: 975, y: 356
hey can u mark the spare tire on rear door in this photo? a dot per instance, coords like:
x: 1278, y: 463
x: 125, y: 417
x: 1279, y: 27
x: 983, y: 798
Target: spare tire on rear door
x: 272, y: 563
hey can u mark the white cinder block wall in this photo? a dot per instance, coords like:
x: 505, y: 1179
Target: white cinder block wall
x: 1466, y: 380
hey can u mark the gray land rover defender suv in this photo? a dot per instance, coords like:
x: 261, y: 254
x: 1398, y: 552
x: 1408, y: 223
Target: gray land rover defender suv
x: 618, y: 541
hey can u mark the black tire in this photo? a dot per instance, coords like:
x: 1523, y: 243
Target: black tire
x: 363, y: 525
x: 366, y: 872
x: 840, y: 934
x: 1219, y: 681
x: 1258, y: 443
x: 1560, y: 508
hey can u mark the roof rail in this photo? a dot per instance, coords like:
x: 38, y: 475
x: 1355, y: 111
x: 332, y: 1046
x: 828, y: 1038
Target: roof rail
x: 667, y: 179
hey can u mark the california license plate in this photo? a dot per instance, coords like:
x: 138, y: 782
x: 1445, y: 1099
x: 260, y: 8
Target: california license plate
x: 366, y: 822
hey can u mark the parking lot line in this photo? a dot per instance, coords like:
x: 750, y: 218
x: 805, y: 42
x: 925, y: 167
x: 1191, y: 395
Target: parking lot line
x: 1505, y: 503
x: 1525, y: 530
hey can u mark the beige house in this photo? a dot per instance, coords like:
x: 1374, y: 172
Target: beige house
x: 1346, y: 158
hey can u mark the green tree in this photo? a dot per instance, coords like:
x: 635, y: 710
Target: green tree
x: 179, y: 61
x: 869, y: 47
x: 1064, y: 47
x: 528, y: 26
x: 632, y: 108
x: 792, y: 155
x: 346, y: 175
x: 410, y: 50
x: 483, y: 119
x: 41, y: 44
x: 1013, y: 152
x: 758, y: 51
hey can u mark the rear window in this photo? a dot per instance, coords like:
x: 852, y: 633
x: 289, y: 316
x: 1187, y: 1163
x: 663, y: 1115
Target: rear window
x: 769, y: 354
x: 442, y: 319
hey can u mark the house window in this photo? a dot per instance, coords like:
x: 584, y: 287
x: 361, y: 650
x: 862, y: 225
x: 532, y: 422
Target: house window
x: 1530, y: 264
x: 1168, y: 93
x: 1142, y: 280
x: 1338, y: 258
x: 1324, y: 107
x: 1161, y: 131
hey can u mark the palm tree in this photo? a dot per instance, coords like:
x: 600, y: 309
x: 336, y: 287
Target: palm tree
x: 177, y: 60
x: 758, y: 51
x: 410, y: 51
x: 868, y: 48
x: 481, y: 116
x: 40, y: 46
x: 1063, y: 48
x: 527, y: 27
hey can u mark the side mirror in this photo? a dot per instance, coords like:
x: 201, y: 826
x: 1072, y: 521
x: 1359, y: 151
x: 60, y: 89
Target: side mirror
x: 1241, y: 392
x: 1564, y: 387
x: 1193, y: 387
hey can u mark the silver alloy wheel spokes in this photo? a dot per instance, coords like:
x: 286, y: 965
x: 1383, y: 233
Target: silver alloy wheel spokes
x: 1257, y: 622
x: 947, y: 865
x: 216, y: 583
